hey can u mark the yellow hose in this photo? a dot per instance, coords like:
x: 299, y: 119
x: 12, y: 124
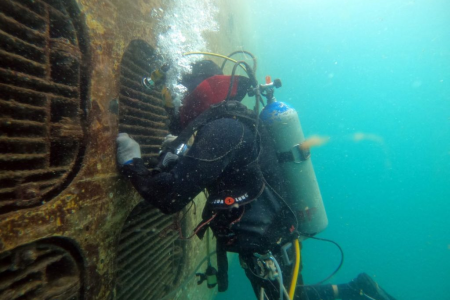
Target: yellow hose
x: 296, y: 269
x: 214, y: 54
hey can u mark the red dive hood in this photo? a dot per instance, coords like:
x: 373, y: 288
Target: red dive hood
x: 211, y: 91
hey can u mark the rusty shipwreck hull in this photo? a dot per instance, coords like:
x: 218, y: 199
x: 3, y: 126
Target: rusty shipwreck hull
x: 70, y: 226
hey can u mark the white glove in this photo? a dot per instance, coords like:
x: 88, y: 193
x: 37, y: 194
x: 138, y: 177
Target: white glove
x: 127, y: 149
x: 169, y: 160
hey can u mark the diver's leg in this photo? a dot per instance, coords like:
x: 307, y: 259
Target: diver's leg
x: 362, y: 287
x: 316, y: 292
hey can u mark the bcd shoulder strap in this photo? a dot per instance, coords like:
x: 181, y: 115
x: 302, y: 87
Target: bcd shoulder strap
x: 229, y: 108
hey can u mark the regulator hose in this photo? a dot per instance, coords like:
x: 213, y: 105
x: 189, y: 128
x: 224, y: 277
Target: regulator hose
x: 249, y: 72
x: 241, y: 51
x: 340, y: 263
x: 280, y: 277
x: 296, y: 269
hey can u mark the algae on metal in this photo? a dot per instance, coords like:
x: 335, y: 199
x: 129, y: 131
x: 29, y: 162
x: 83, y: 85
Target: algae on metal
x: 91, y: 211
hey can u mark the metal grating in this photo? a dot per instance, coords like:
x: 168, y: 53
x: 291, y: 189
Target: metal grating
x: 148, y: 265
x: 141, y: 109
x: 40, y: 270
x: 41, y: 86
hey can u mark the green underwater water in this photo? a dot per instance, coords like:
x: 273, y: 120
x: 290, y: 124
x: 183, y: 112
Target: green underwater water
x: 381, y: 70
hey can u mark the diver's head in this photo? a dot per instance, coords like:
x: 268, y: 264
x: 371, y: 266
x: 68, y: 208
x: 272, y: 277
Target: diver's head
x: 201, y: 70
x: 208, y: 86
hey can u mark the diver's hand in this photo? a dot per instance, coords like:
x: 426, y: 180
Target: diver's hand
x: 127, y: 149
x: 168, y: 139
x: 167, y: 161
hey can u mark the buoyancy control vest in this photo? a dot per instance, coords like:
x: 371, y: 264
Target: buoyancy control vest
x: 245, y: 207
x: 238, y: 188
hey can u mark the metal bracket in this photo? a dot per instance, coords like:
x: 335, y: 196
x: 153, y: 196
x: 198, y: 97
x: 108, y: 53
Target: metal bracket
x: 285, y: 255
x: 297, y: 154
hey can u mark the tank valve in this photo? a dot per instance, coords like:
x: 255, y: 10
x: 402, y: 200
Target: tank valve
x: 277, y: 83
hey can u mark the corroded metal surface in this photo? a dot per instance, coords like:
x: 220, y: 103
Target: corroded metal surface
x: 40, y: 270
x: 149, y: 259
x: 60, y: 73
x: 40, y: 102
x: 141, y: 112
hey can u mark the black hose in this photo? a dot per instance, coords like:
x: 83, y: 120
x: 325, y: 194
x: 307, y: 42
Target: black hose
x: 340, y: 263
x: 241, y: 51
x: 249, y: 72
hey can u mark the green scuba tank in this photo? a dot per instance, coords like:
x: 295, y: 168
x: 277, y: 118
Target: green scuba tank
x: 282, y: 122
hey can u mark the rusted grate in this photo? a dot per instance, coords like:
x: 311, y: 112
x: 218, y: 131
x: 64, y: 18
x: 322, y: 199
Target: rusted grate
x: 42, y: 78
x: 141, y: 110
x: 41, y: 270
x: 148, y: 264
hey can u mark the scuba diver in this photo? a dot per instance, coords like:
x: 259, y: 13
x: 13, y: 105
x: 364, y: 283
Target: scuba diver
x: 233, y: 158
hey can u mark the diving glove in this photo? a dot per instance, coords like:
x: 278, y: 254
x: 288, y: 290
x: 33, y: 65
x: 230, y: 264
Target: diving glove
x: 127, y: 149
x: 168, y: 139
x: 167, y: 161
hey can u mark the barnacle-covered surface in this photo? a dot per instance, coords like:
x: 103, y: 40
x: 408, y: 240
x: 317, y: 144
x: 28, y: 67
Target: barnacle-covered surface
x: 70, y: 225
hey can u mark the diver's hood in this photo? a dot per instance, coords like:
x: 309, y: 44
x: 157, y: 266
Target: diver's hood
x: 201, y: 70
x: 211, y: 91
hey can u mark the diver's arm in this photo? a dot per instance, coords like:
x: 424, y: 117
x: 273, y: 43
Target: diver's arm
x: 210, y: 154
x: 162, y: 190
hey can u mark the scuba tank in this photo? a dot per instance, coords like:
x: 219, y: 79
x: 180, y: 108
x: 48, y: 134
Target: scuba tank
x: 304, y: 198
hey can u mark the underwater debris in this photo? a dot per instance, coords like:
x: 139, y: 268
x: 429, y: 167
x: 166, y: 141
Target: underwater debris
x: 314, y: 141
x: 360, y: 136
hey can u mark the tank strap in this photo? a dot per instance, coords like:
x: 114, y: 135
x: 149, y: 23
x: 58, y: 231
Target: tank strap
x: 297, y: 154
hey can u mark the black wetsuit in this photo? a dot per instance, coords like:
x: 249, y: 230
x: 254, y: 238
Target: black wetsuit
x: 229, y: 155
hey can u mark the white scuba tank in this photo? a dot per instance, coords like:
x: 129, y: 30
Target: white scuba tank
x: 304, y: 197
